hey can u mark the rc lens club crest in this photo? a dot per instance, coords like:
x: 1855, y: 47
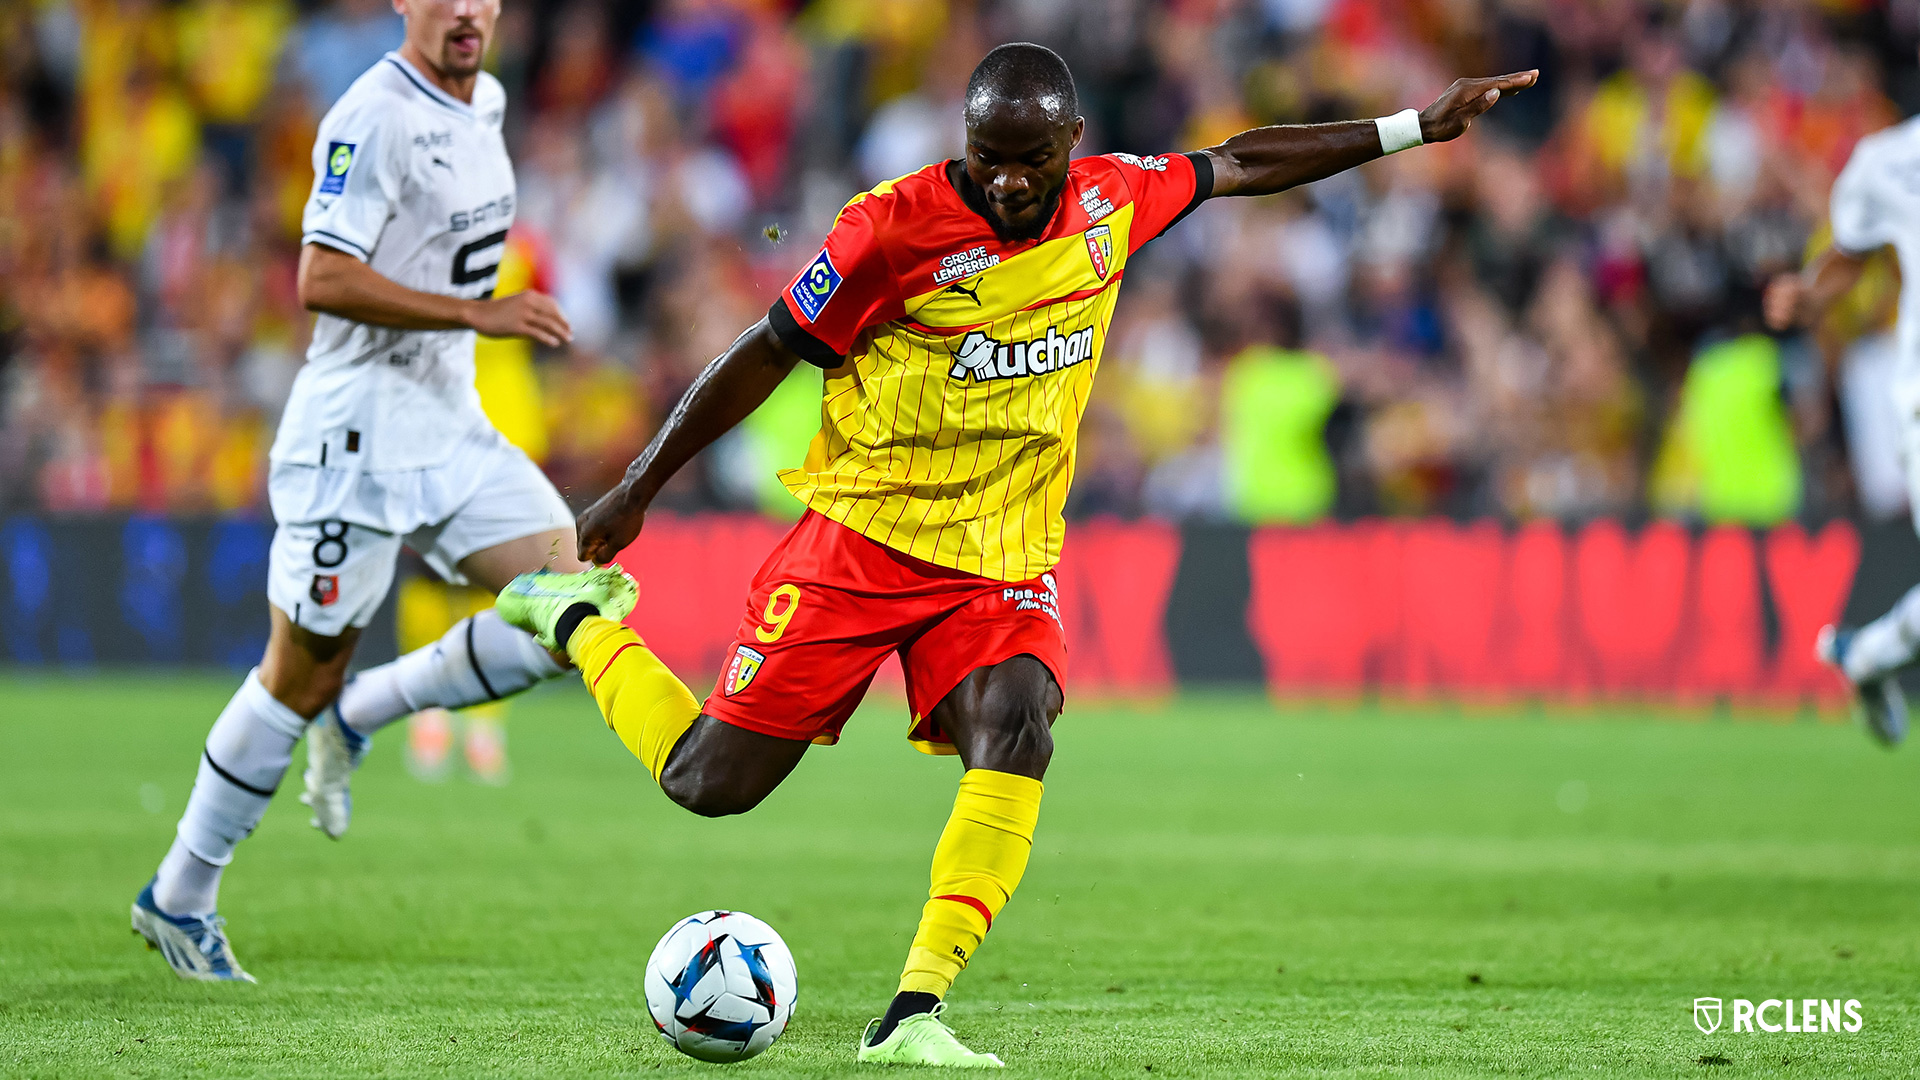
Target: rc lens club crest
x: 746, y: 664
x: 1100, y: 249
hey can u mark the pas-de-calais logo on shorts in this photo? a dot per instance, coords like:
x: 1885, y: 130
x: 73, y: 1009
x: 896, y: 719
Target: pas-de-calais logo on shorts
x: 746, y: 664
x: 1046, y: 600
x: 1798, y: 1015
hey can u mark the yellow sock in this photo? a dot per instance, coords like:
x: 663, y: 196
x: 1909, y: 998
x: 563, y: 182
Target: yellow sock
x: 643, y: 703
x: 976, y: 866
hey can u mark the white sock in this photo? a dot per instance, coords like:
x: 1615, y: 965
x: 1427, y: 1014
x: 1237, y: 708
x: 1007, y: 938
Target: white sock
x: 1888, y: 643
x: 247, y: 753
x: 186, y: 883
x: 480, y: 659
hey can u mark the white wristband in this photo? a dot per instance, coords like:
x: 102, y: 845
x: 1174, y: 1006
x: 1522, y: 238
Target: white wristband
x: 1399, y: 131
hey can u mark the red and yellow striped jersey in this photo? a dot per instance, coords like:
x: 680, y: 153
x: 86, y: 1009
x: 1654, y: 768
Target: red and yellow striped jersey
x: 958, y: 365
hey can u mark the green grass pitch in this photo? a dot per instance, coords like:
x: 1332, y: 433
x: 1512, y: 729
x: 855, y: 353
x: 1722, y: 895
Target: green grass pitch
x: 1219, y: 888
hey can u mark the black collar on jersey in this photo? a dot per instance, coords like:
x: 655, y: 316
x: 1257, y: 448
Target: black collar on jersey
x: 441, y: 96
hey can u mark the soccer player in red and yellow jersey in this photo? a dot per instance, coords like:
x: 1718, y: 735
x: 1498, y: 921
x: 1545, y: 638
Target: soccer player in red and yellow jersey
x: 959, y: 314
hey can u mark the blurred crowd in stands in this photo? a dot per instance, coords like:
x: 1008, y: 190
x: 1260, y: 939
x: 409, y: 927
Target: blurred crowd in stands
x: 1556, y: 316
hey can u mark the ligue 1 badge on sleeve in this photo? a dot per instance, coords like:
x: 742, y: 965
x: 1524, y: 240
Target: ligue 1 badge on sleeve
x: 815, y: 285
x: 339, y: 160
x: 1706, y: 1015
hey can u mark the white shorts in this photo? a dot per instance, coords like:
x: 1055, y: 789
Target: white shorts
x: 340, y: 531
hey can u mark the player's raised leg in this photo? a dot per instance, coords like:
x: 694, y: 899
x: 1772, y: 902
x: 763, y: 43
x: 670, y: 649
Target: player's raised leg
x: 709, y: 767
x: 480, y: 659
x: 1000, y: 719
x: 245, y: 757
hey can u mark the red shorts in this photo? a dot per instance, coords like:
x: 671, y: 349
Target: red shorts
x: 829, y: 605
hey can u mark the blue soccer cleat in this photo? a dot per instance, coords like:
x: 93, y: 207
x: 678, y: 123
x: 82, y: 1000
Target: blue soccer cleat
x: 334, y: 751
x: 195, y: 946
x: 1879, y: 704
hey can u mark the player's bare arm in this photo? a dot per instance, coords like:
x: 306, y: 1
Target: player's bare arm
x: 725, y: 393
x: 338, y: 284
x: 1795, y: 300
x: 1271, y: 159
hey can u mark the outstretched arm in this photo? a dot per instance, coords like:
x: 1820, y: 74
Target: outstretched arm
x: 724, y: 394
x: 1270, y: 159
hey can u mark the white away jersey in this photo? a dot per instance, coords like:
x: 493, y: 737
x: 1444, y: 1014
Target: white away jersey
x: 1875, y: 203
x: 416, y: 184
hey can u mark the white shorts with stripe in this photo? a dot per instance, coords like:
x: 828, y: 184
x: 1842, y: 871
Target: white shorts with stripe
x: 340, y: 529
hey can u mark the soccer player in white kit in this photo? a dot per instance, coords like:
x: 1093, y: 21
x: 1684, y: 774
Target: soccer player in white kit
x: 383, y: 442
x: 1875, y: 204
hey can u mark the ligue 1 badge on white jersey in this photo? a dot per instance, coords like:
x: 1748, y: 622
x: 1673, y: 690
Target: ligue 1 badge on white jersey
x: 746, y: 664
x: 339, y: 161
x: 1706, y: 1015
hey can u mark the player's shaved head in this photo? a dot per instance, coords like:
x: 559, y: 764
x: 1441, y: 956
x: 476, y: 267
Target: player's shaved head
x: 1022, y: 76
x: 1022, y: 124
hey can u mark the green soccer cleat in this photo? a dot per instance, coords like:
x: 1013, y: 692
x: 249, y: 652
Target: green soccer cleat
x: 534, y: 602
x: 921, y: 1039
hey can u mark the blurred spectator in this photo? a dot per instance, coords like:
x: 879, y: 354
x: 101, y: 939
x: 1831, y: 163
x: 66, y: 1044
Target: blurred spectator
x: 229, y: 50
x: 1730, y: 454
x: 597, y: 422
x: 340, y: 41
x: 1275, y: 401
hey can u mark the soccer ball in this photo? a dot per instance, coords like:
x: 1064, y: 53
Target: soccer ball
x: 720, y: 986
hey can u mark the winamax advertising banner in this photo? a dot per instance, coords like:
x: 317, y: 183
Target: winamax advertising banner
x: 1424, y: 608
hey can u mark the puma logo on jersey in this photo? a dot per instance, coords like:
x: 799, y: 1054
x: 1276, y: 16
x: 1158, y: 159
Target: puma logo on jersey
x: 983, y: 359
x: 972, y: 294
x: 443, y: 163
